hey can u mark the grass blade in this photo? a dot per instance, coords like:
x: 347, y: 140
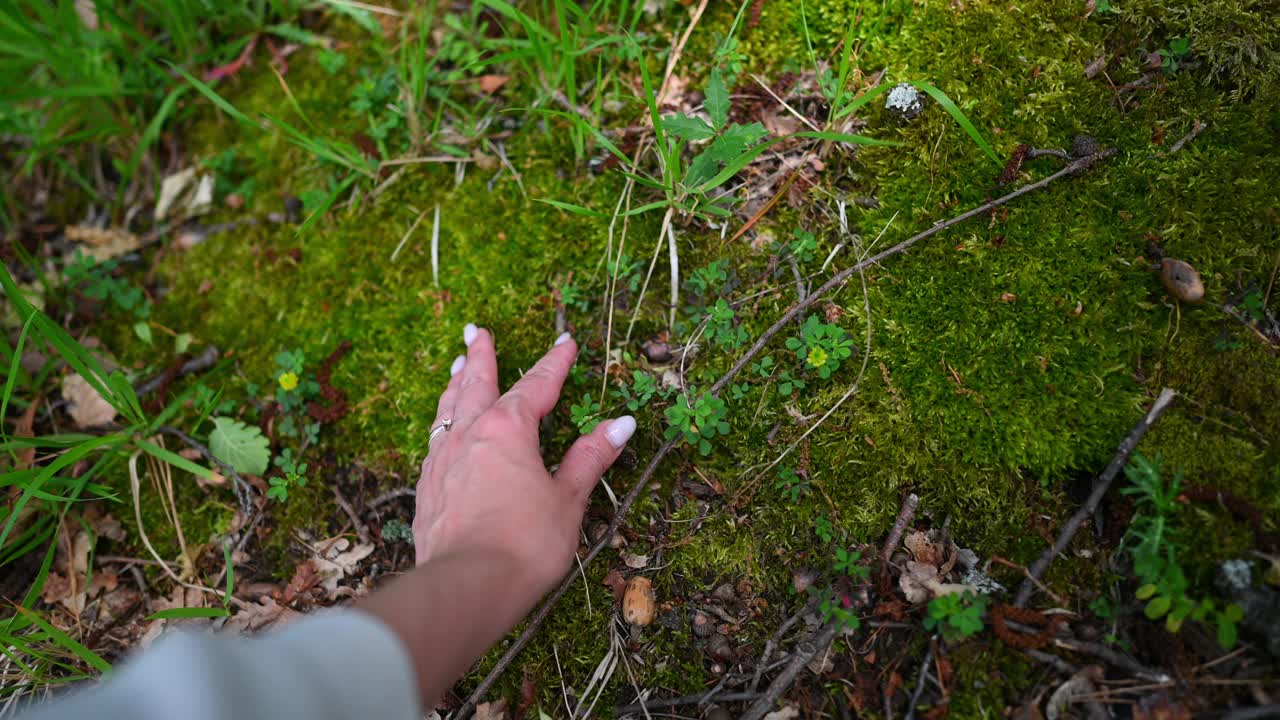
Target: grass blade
x: 959, y: 116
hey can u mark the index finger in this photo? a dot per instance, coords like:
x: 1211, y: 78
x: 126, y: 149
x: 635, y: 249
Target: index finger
x: 534, y: 395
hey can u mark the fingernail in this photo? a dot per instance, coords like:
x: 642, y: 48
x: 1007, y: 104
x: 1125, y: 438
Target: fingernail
x: 469, y: 333
x: 620, y: 430
x: 564, y: 338
x: 458, y: 363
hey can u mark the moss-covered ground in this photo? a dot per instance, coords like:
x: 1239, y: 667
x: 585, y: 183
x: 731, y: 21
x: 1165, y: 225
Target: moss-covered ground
x: 1008, y: 356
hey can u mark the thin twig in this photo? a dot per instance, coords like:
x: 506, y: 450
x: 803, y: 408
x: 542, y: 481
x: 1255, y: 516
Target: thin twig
x: 390, y: 495
x: 1037, y: 568
x: 839, y: 279
x: 242, y: 489
x: 621, y: 710
x: 1196, y: 128
x: 821, y: 640
x: 772, y: 644
x: 924, y: 672
x: 362, y: 530
x: 205, y: 360
x: 905, y: 515
x: 1112, y: 657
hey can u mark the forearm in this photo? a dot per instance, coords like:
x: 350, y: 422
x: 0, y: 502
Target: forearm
x: 450, y: 610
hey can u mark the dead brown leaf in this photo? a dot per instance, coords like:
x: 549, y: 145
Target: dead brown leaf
x: 267, y: 613
x: 490, y: 84
x: 86, y: 406
x: 616, y: 583
x: 103, y: 244
x: 922, y: 549
x: 492, y: 710
x: 337, y: 558
x: 305, y: 577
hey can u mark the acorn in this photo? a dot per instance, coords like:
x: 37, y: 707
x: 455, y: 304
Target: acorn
x: 1181, y: 280
x: 639, y: 601
x: 657, y: 352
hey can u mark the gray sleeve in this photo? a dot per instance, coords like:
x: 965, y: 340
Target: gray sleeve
x: 333, y: 667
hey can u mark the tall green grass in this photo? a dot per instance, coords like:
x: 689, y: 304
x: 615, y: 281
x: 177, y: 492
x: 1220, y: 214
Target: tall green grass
x: 95, y: 84
x: 68, y: 470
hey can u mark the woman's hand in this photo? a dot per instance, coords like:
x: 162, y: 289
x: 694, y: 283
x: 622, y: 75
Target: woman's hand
x: 494, y: 530
x: 484, y: 483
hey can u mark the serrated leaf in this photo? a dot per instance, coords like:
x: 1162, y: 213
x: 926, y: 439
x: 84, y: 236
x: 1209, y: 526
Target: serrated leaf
x: 242, y: 447
x: 688, y: 128
x: 735, y: 141
x: 717, y: 99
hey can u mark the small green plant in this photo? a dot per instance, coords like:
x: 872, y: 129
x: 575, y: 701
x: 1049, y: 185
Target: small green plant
x: 698, y: 424
x: 836, y: 607
x: 574, y: 297
x: 629, y: 272
x: 822, y: 346
x: 641, y: 390
x: 709, y: 279
x: 1174, y: 55
x: 586, y: 414
x: 295, y: 475
x: 763, y: 367
x: 228, y: 175
x: 97, y: 281
x: 788, y: 383
x: 848, y: 564
x: 1153, y: 544
x: 805, y: 246
x: 956, y: 616
x: 396, y: 530
x: 331, y: 61
x: 791, y: 485
x: 824, y: 529
x: 721, y: 328
x: 1254, y: 306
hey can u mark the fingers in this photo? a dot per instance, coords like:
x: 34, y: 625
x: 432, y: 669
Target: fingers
x: 479, y: 388
x: 535, y: 394
x: 449, y: 398
x: 592, y: 454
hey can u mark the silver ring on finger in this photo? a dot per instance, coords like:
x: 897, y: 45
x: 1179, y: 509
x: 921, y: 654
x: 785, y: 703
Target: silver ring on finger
x: 443, y: 427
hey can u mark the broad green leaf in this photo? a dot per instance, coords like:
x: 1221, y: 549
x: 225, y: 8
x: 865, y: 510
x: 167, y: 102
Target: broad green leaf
x: 240, y: 446
x: 717, y: 99
x: 1145, y: 591
x: 1227, y: 635
x: 1158, y: 607
x: 688, y: 128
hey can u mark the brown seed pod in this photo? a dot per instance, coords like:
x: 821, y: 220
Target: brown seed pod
x: 1181, y: 280
x: 639, y: 601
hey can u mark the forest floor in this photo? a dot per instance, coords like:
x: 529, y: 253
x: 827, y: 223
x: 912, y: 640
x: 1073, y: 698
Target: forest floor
x: 230, y: 308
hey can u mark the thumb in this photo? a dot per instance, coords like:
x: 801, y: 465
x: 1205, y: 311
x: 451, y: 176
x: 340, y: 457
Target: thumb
x: 592, y: 454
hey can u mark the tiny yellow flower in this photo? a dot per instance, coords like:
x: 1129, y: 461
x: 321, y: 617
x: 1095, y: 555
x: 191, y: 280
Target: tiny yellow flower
x: 817, y: 357
x: 289, y: 381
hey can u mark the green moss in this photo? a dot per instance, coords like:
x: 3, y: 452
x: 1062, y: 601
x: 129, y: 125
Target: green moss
x: 1008, y: 356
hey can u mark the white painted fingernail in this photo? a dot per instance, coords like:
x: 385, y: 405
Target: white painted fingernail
x: 564, y: 338
x: 469, y: 333
x: 458, y: 363
x: 620, y: 430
